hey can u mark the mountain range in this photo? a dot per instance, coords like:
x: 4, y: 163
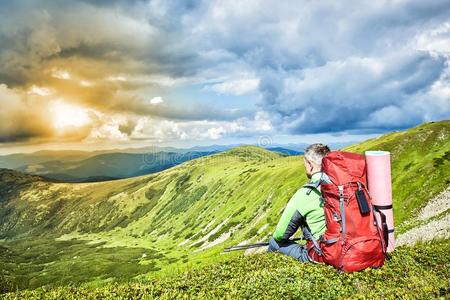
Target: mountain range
x: 83, y: 166
x: 183, y: 217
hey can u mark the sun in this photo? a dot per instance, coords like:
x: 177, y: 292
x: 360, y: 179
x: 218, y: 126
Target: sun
x: 66, y: 115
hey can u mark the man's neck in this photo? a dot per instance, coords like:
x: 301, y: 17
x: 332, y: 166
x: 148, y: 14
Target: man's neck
x: 316, y: 175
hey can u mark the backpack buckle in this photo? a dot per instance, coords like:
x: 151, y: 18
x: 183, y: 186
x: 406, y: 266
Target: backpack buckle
x: 336, y: 217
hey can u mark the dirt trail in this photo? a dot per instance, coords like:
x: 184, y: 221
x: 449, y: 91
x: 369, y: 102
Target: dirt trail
x: 437, y: 222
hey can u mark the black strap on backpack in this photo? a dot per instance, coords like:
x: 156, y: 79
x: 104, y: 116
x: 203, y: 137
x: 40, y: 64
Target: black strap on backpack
x: 384, y: 226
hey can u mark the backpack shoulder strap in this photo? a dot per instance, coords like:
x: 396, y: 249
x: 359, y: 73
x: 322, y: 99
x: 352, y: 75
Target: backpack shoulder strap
x: 312, y: 186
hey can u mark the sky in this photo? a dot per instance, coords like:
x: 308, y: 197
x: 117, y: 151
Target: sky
x: 102, y: 74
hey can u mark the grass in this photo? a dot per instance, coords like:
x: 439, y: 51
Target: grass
x: 420, y: 272
x: 65, y: 262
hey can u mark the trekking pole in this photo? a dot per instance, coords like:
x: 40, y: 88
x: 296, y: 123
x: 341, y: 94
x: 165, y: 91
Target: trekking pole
x: 244, y: 247
x: 250, y: 246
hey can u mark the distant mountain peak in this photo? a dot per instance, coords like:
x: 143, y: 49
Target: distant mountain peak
x: 252, y: 152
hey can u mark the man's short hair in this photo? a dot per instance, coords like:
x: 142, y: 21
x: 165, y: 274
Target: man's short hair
x: 315, y: 152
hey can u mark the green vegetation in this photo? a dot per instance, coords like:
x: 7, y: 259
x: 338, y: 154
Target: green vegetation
x: 65, y: 262
x: 420, y: 164
x: 160, y: 225
x: 421, y: 272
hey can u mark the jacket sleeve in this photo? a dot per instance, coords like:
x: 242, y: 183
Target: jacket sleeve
x: 290, y: 221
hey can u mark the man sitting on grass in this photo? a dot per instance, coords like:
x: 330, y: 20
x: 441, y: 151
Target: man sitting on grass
x: 304, y: 210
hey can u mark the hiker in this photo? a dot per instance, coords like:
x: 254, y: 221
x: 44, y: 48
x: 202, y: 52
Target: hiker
x: 305, y: 211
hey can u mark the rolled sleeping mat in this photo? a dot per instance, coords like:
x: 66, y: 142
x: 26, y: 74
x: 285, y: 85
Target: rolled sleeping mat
x: 380, y: 189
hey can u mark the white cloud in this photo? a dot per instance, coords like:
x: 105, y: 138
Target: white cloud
x: 236, y: 87
x: 61, y: 74
x: 436, y: 40
x: 215, y: 133
x: 117, y: 78
x: 166, y: 130
x: 106, y: 132
x: 262, y: 121
x: 156, y: 100
x: 86, y: 83
x: 41, y: 91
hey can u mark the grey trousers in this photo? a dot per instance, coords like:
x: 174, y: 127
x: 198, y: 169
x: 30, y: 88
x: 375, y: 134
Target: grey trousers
x: 289, y: 248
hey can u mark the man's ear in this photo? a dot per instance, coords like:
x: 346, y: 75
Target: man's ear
x: 309, y: 165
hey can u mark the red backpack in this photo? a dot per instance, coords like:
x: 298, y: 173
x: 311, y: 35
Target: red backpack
x: 352, y: 240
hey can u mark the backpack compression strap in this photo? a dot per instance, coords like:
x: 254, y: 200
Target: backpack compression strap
x: 384, y: 225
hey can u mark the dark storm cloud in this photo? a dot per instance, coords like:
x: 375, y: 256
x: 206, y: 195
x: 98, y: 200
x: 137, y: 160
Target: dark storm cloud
x: 328, y: 66
x: 34, y: 33
x: 351, y: 94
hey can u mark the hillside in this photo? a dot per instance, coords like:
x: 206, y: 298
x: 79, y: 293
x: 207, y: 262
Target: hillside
x: 424, y: 275
x: 182, y: 218
x: 13, y: 161
x: 108, y: 165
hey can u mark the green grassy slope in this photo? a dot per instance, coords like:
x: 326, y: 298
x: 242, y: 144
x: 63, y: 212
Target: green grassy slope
x: 424, y: 274
x: 182, y: 217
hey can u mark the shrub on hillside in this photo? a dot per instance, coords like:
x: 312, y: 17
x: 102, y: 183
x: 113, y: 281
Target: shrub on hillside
x: 6, y: 285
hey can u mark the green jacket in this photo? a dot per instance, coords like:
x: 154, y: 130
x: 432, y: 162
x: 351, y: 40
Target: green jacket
x: 303, y: 210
